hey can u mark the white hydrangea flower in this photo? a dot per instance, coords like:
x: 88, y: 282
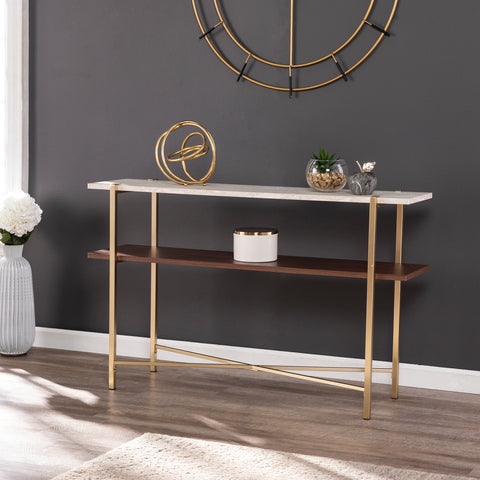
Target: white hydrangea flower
x: 368, y: 166
x: 19, y: 214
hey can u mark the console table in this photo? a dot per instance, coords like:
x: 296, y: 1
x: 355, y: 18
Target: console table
x: 369, y: 270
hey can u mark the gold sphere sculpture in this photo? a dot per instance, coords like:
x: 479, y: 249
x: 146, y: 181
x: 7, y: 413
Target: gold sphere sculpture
x: 186, y: 153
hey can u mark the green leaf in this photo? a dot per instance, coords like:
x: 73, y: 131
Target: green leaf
x: 6, y: 237
x: 27, y: 235
x: 324, y: 160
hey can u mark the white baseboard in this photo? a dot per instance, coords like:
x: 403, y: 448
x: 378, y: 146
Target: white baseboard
x: 422, y: 376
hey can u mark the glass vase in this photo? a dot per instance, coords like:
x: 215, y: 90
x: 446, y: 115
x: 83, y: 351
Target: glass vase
x: 362, y: 183
x: 328, y: 179
x: 17, y: 314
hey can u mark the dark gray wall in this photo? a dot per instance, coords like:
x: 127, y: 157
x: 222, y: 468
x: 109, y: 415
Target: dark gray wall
x: 109, y: 76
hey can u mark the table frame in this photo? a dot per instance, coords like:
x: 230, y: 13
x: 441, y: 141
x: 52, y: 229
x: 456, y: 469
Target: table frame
x: 285, y: 370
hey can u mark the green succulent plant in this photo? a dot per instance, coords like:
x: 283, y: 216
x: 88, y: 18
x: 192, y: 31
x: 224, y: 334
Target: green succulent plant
x: 324, y: 161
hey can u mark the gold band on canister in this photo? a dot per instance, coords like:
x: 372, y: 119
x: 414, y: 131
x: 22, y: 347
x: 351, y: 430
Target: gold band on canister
x: 255, y: 231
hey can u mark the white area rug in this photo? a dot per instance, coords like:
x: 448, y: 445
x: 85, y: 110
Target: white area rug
x: 162, y: 457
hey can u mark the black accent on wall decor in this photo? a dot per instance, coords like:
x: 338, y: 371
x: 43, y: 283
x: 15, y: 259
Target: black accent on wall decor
x: 340, y: 69
x: 107, y: 77
x: 243, y: 69
x: 379, y: 29
x: 210, y: 30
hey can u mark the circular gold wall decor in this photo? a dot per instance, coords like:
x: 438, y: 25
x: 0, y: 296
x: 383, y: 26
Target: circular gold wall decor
x: 186, y: 153
x: 221, y: 23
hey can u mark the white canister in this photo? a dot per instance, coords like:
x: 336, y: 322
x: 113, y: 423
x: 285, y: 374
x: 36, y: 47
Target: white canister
x: 255, y: 244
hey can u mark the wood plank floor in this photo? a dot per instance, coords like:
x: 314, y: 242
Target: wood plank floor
x: 56, y: 413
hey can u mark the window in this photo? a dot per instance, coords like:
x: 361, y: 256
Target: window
x: 13, y: 95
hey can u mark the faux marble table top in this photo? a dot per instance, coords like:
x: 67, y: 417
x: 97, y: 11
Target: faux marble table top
x: 259, y: 191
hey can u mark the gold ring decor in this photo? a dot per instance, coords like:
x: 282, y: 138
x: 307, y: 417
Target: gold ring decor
x: 189, y: 153
x: 186, y: 153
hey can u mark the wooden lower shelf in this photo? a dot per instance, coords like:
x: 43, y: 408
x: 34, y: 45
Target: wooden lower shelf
x: 328, y: 267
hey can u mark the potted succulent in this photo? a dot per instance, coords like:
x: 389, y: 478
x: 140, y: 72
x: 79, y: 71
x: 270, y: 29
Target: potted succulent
x: 365, y: 181
x: 325, y: 172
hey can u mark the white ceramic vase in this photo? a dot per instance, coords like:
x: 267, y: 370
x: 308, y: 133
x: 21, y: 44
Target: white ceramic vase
x: 17, y: 314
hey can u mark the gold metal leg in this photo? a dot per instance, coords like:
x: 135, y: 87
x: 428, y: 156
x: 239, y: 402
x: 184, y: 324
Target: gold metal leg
x: 372, y: 231
x: 153, y: 286
x: 396, y: 305
x: 112, y: 322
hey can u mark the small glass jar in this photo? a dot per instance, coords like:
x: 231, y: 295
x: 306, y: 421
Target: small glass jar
x: 362, y: 183
x: 326, y: 179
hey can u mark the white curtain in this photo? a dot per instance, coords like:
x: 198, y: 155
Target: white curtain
x: 3, y: 87
x: 13, y: 95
